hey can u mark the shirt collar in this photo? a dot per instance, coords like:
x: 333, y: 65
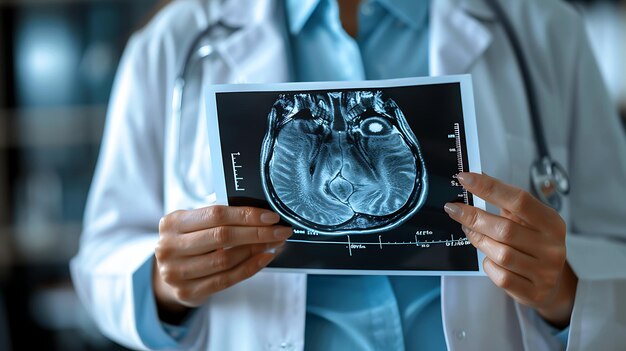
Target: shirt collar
x: 299, y: 12
x: 412, y: 12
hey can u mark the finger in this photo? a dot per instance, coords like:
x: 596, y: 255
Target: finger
x: 498, y: 228
x: 226, y: 279
x: 504, y: 255
x: 520, y: 288
x: 505, y: 196
x: 515, y: 218
x: 208, y: 240
x: 215, y: 216
x: 218, y: 261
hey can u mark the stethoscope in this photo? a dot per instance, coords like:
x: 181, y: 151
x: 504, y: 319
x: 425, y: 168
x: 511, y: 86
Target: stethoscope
x: 548, y: 179
x: 202, y: 47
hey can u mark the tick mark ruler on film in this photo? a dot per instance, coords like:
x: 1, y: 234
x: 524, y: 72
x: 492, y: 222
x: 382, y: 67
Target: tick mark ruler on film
x: 237, y: 178
x: 459, y: 158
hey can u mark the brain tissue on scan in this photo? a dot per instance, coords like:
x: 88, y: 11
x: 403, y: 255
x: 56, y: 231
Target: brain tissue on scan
x: 342, y: 162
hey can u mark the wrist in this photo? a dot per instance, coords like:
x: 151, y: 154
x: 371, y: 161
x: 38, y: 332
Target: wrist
x: 169, y: 309
x: 558, y: 310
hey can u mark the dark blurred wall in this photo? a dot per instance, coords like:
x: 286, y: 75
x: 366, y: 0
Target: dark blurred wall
x: 57, y: 63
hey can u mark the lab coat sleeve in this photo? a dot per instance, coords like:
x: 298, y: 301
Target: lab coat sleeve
x: 596, y: 238
x: 597, y: 229
x: 125, y: 204
x: 594, y: 152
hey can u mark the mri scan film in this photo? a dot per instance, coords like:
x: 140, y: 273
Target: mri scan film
x: 342, y: 162
x: 360, y: 170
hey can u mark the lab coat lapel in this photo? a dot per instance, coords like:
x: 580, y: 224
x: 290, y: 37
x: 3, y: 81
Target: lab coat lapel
x: 257, y: 53
x: 458, y: 36
x: 459, y: 39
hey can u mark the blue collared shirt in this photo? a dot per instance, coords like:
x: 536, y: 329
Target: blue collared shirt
x: 392, y: 40
x: 366, y: 312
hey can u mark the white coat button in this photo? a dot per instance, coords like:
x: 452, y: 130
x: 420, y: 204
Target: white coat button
x: 461, y: 334
x: 286, y: 346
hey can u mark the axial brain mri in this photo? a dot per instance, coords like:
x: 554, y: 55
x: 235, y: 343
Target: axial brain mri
x: 342, y: 162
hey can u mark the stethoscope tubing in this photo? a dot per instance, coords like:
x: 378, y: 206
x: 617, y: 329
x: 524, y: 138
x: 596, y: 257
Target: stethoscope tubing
x: 554, y: 171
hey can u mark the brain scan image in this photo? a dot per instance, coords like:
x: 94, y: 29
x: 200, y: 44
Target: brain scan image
x: 342, y: 162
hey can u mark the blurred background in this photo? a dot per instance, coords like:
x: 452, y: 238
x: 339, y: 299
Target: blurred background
x: 57, y: 62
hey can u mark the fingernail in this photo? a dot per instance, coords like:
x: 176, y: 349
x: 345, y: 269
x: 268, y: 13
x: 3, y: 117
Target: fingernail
x: 282, y: 233
x: 466, y: 179
x: 453, y: 210
x: 269, y: 217
x: 466, y: 230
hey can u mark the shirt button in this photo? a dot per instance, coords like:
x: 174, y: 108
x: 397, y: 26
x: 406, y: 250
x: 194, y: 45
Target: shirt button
x: 367, y: 9
x: 286, y: 346
x: 205, y: 51
x: 461, y: 334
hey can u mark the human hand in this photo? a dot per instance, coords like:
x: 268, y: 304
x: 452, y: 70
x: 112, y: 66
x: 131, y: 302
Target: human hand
x: 203, y: 251
x: 524, y: 246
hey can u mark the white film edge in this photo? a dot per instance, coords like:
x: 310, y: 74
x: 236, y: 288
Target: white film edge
x: 361, y: 170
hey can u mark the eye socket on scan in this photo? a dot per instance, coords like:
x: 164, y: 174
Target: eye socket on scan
x: 304, y: 114
x: 376, y: 126
x: 309, y: 123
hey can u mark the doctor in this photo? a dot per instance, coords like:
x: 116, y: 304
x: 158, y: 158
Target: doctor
x: 155, y: 275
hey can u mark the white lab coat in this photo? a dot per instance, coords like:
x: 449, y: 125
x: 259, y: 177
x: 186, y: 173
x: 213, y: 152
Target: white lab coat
x: 134, y: 183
